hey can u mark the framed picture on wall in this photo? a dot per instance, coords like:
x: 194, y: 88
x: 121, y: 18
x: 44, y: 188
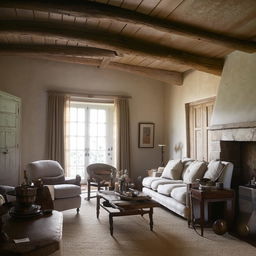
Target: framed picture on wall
x: 146, y: 135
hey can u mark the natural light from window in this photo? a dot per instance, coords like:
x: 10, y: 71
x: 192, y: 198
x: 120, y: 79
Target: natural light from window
x: 89, y: 136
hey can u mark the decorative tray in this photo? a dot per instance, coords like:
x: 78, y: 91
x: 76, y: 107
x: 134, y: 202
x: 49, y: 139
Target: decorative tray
x: 207, y: 187
x: 140, y: 197
x: 32, y: 211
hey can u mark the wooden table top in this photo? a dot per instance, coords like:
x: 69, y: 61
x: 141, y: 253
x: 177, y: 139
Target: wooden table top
x: 117, y: 203
x: 212, y: 193
x: 44, y: 232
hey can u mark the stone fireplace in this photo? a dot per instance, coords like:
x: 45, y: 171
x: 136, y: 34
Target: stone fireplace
x: 236, y: 145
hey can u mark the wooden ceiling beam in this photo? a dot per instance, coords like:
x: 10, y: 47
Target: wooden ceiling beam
x: 6, y: 49
x: 166, y: 76
x: 112, y: 42
x: 94, y: 10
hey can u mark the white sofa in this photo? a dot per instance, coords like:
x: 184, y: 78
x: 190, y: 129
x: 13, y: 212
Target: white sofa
x: 171, y: 189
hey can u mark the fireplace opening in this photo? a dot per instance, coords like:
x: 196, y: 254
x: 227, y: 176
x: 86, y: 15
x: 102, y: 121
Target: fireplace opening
x: 243, y: 155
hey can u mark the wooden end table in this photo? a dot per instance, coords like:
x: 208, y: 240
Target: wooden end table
x: 123, y: 207
x: 213, y: 195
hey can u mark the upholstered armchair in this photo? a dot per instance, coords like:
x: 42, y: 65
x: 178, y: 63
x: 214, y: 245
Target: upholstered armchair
x: 65, y: 192
x: 100, y: 176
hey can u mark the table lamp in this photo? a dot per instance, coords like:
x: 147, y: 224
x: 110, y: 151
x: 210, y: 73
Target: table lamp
x: 162, y: 154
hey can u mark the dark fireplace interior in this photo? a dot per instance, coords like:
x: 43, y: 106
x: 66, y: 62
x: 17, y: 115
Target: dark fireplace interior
x: 243, y: 155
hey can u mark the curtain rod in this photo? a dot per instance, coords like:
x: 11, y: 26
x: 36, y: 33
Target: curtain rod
x: 90, y: 95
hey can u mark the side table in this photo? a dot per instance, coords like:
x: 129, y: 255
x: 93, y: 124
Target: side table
x: 213, y: 195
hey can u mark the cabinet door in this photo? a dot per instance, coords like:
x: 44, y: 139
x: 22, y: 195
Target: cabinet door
x: 199, y: 123
x: 9, y: 139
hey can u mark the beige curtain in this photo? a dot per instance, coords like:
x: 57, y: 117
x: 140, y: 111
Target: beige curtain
x: 56, y: 127
x: 122, y: 123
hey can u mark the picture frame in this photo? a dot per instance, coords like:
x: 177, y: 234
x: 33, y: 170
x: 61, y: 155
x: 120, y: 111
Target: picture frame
x: 146, y: 135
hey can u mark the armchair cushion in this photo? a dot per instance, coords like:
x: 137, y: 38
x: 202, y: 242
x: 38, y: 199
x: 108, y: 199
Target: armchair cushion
x: 173, y: 170
x: 66, y: 191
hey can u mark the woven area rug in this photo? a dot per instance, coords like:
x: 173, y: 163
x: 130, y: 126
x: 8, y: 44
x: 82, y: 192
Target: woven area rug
x: 84, y: 234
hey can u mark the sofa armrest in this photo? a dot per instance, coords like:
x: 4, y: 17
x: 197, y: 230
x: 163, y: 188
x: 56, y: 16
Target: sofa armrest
x: 189, y: 186
x: 75, y: 181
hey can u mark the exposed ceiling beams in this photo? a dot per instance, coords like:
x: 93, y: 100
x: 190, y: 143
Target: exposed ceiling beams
x: 170, y: 77
x: 55, y: 50
x: 112, y: 42
x: 94, y: 10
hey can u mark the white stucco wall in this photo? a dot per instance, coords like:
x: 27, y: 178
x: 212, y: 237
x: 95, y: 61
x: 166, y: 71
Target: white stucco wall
x: 196, y: 86
x: 30, y: 79
x: 236, y: 99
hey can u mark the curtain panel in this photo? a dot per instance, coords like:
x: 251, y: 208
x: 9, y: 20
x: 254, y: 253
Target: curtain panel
x: 122, y: 133
x: 56, y: 128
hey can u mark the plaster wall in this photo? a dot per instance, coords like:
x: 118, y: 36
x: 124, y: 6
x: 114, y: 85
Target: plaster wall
x: 30, y: 79
x: 196, y: 86
x: 237, y: 94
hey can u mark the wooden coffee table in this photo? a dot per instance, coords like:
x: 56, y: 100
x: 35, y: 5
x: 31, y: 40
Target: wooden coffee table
x: 124, y: 207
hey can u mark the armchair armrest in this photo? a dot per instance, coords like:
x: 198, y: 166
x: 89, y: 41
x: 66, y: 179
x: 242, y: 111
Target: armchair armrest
x: 75, y: 181
x: 53, y: 180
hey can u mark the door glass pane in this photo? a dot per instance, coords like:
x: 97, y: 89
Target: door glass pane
x: 93, y: 143
x: 101, y: 143
x: 101, y: 130
x: 91, y: 136
x: 73, y: 114
x: 92, y: 129
x: 72, y: 143
x: 80, y: 143
x: 80, y: 114
x: 93, y: 115
x: 102, y: 116
x: 73, y: 129
x: 81, y: 129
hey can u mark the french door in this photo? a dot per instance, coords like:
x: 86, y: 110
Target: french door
x: 89, y: 136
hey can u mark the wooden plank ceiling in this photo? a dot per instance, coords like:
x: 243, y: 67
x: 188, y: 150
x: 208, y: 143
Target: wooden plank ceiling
x: 160, y: 39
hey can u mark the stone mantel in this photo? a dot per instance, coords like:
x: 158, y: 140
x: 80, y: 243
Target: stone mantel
x: 228, y: 134
x: 233, y: 126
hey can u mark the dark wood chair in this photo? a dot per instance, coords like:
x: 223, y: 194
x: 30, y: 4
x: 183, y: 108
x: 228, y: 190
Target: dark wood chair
x: 100, y: 176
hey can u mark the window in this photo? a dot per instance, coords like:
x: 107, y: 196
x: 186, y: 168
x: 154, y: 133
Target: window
x: 89, y: 136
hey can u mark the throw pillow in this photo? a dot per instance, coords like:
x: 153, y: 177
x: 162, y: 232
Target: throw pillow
x: 214, y: 170
x: 194, y: 171
x: 173, y: 170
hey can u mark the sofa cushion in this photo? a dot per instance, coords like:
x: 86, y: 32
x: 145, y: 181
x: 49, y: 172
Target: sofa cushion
x: 146, y: 182
x: 214, y: 170
x: 66, y: 191
x: 186, y: 163
x: 179, y: 194
x: 173, y: 170
x: 156, y: 183
x: 194, y: 171
x: 166, y: 189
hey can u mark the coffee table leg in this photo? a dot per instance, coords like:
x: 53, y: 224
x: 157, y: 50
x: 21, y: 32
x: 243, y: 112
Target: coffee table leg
x: 151, y: 218
x: 98, y: 207
x: 111, y: 224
